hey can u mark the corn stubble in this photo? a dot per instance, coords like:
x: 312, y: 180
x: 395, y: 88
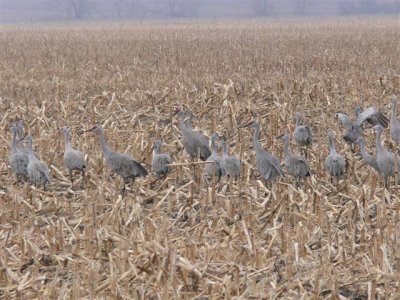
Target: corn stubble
x: 181, y: 236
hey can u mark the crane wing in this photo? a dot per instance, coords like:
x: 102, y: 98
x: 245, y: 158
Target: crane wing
x: 346, y: 121
x: 373, y: 116
x: 277, y: 166
x: 139, y: 169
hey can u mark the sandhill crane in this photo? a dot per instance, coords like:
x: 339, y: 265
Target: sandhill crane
x: 303, y: 134
x: 296, y: 165
x: 267, y: 165
x: 354, y: 129
x: 120, y: 163
x: 18, y: 159
x: 335, y: 164
x: 215, y: 168
x: 74, y: 159
x: 384, y: 158
x: 38, y: 172
x: 160, y: 160
x: 368, y: 158
x: 394, y: 123
x: 194, y: 142
x: 230, y: 164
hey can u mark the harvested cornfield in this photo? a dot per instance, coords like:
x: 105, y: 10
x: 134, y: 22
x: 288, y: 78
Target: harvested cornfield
x: 182, y: 236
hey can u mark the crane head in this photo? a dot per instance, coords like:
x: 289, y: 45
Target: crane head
x: 157, y: 144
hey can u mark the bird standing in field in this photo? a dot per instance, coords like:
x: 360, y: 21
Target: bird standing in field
x: 194, y: 142
x: 74, y: 159
x: 120, y: 163
x: 394, y: 123
x: 384, y: 158
x: 214, y: 168
x: 303, y: 134
x: 267, y: 165
x: 161, y: 161
x: 18, y: 159
x: 354, y: 130
x: 335, y: 164
x: 296, y: 165
x: 368, y: 158
x: 38, y: 172
x: 230, y: 163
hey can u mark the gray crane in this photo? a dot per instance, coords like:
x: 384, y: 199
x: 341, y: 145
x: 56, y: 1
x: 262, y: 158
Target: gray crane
x: 120, y: 163
x: 230, y: 163
x: 215, y: 168
x: 38, y: 172
x: 296, y: 165
x: 335, y: 164
x: 384, y: 158
x: 74, y: 159
x: 267, y: 165
x: 18, y: 159
x: 354, y: 129
x: 394, y: 123
x: 368, y: 158
x: 194, y: 142
x: 161, y: 161
x: 303, y: 134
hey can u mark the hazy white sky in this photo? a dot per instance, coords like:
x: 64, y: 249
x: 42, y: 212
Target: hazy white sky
x: 54, y: 10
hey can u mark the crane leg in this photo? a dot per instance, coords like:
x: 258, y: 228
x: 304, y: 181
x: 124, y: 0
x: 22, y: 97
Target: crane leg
x: 83, y: 178
x: 123, y: 190
x: 71, y: 177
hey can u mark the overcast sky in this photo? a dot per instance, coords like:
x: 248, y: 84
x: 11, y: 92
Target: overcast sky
x: 59, y: 10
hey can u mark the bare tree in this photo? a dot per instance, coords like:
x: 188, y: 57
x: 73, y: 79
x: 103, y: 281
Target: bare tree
x: 79, y: 8
x: 262, y: 7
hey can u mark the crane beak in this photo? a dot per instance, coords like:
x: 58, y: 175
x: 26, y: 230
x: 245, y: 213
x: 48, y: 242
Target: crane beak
x: 22, y: 139
x: 91, y: 129
x: 245, y: 125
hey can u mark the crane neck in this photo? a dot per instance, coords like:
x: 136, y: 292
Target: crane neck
x: 67, y: 141
x: 104, y: 146
x: 256, y: 139
x: 156, y: 150
x: 379, y: 146
x: 182, y: 124
x: 393, y: 117
x: 298, y: 120
x: 286, y: 150
x: 190, y: 122
x: 213, y: 146
x: 224, y: 149
x: 31, y: 155
x: 14, y: 141
x: 332, y: 147
x: 363, y: 151
x: 362, y: 147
